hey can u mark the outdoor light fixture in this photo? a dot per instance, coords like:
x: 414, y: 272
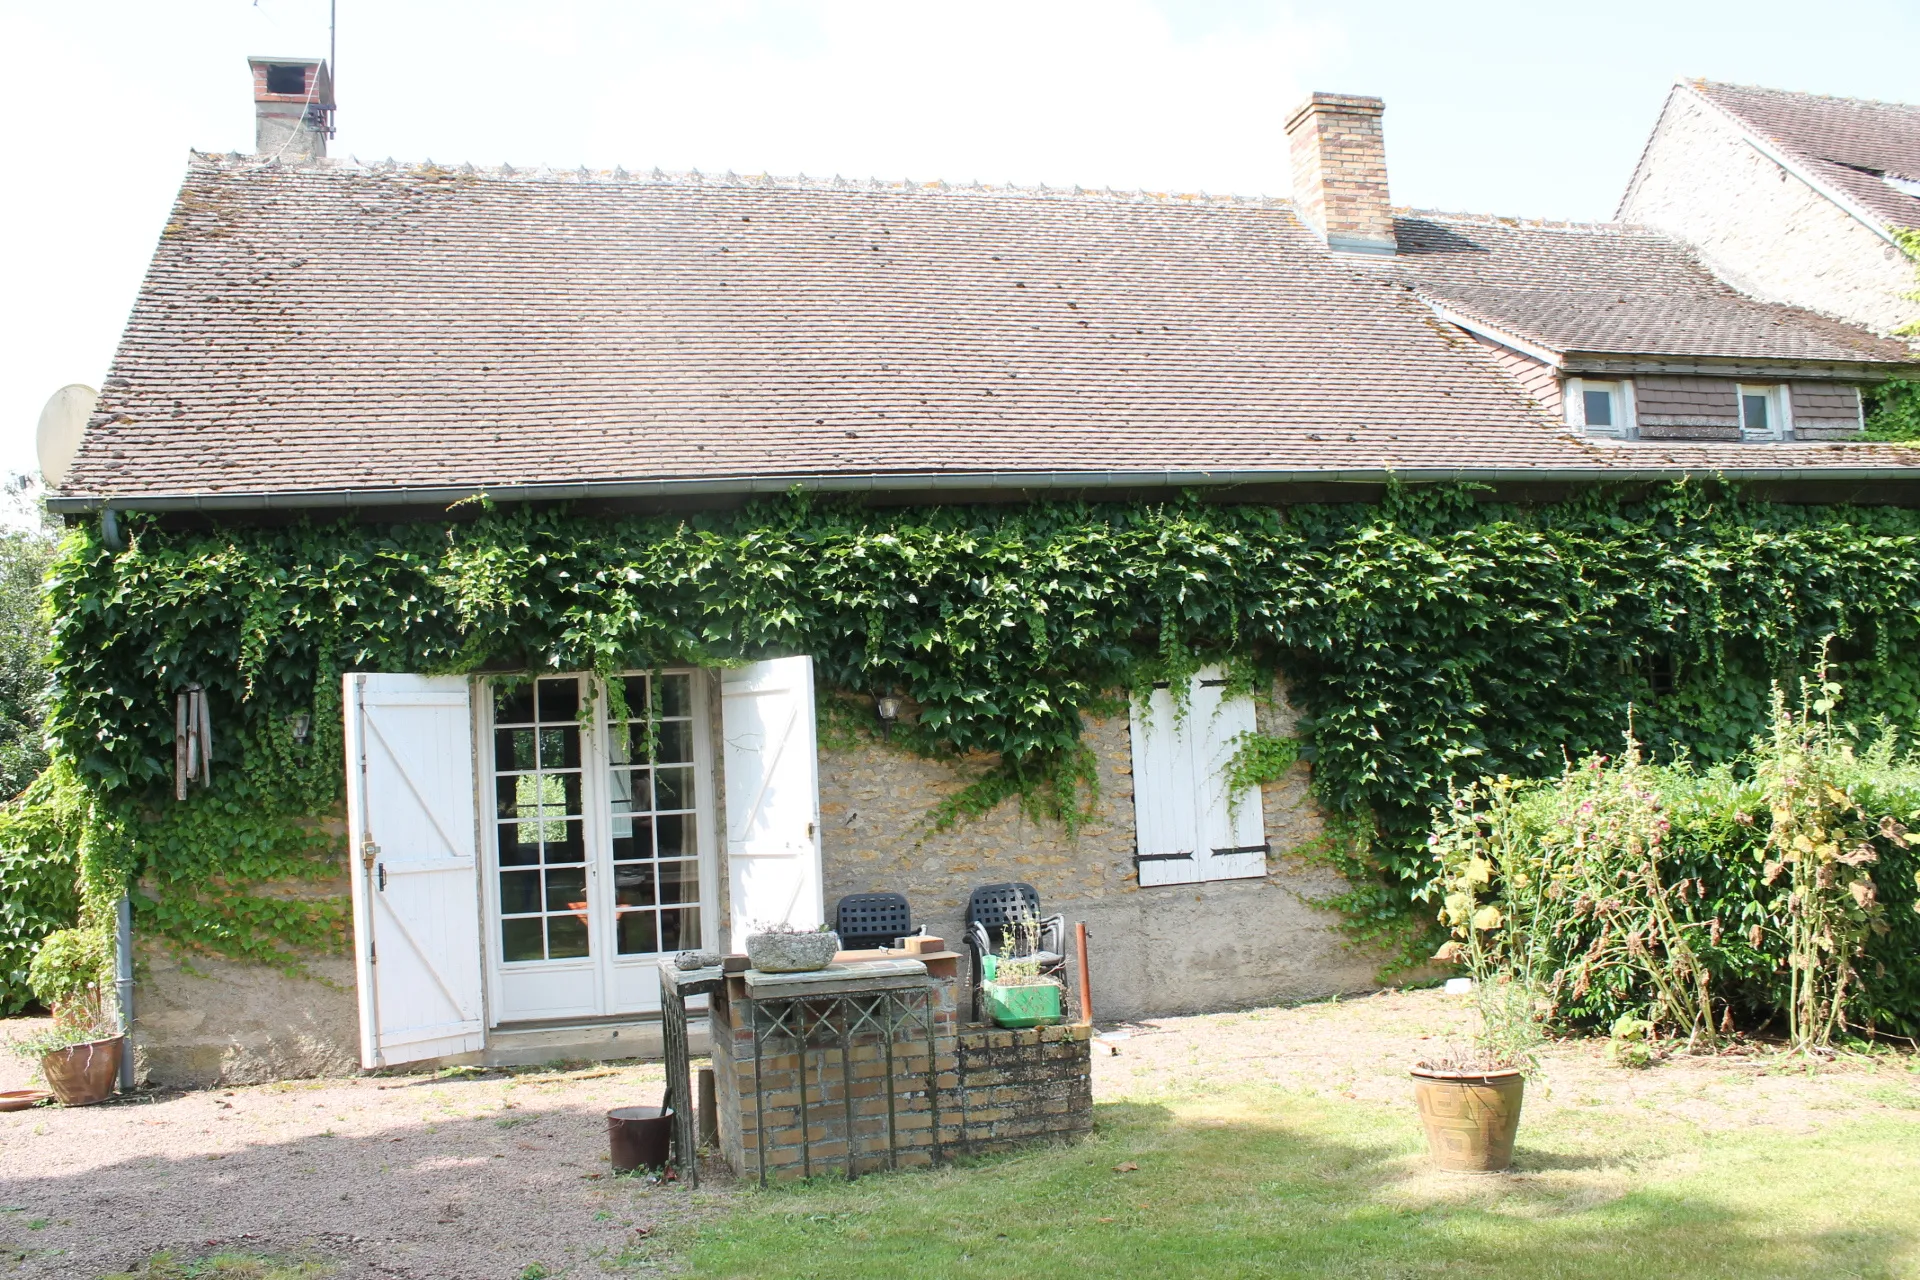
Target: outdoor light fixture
x: 302, y: 728
x: 886, y: 708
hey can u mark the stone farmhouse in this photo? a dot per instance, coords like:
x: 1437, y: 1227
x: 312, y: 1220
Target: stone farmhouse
x: 320, y: 337
x: 1790, y: 197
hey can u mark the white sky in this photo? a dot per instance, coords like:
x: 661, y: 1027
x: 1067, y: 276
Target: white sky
x: 1533, y: 109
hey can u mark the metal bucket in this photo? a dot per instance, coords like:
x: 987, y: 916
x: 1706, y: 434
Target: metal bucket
x: 639, y: 1137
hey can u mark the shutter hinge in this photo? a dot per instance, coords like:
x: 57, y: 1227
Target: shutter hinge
x: 1243, y: 848
x: 1162, y: 857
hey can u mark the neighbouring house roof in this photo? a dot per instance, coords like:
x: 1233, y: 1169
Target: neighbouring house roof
x: 1851, y: 144
x: 1611, y: 289
x: 332, y: 335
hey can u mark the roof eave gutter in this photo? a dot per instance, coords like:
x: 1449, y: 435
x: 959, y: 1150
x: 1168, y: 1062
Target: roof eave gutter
x: 1012, y: 481
x: 1617, y: 362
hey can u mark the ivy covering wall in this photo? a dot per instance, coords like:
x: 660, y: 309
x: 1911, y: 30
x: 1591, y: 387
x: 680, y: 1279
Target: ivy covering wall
x: 1431, y: 637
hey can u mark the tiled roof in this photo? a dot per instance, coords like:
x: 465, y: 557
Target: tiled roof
x: 313, y: 330
x: 1613, y: 289
x: 1847, y: 142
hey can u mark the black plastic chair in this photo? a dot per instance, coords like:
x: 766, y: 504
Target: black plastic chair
x: 994, y: 914
x: 866, y: 920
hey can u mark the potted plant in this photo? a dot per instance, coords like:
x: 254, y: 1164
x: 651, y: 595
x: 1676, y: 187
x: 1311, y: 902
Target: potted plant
x: 1470, y: 1108
x: 1470, y: 1100
x: 1015, y: 992
x: 781, y: 948
x: 80, y: 1055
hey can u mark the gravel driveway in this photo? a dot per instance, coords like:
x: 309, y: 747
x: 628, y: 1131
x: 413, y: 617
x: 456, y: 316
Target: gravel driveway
x: 436, y: 1179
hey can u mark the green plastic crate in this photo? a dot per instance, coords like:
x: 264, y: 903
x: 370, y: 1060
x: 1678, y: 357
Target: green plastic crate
x: 1035, y: 1005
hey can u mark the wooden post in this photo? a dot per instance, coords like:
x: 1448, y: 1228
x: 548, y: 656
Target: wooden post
x: 1086, y: 986
x: 709, y: 1112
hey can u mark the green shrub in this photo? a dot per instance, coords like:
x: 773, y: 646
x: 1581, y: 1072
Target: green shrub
x: 1777, y: 890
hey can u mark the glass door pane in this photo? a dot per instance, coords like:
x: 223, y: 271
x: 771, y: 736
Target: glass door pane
x: 540, y: 815
x: 656, y: 857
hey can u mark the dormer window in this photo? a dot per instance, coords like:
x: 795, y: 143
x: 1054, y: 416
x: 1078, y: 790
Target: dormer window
x: 1764, y: 413
x: 1599, y: 405
x: 1600, y: 408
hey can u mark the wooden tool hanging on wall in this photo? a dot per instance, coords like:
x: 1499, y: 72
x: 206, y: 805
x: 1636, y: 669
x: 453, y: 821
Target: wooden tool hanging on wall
x: 192, y: 740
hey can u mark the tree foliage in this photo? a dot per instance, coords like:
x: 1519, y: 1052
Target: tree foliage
x: 27, y: 548
x: 1893, y: 411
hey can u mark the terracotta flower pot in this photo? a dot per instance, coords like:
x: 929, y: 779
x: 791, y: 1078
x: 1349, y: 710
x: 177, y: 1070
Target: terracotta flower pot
x: 1470, y: 1117
x: 83, y: 1074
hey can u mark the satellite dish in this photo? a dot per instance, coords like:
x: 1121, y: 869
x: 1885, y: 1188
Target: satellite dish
x: 62, y: 424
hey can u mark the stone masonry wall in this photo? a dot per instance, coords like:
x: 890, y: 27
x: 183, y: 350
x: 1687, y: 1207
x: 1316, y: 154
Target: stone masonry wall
x: 1175, y: 949
x: 205, y: 1020
x: 1763, y: 230
x: 1165, y: 950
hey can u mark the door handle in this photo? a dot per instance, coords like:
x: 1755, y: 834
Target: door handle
x: 381, y: 873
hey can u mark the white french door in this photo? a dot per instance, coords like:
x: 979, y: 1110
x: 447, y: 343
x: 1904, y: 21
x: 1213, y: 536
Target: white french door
x: 599, y: 841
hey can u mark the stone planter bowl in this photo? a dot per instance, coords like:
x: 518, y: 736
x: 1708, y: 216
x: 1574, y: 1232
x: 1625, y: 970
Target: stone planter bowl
x: 791, y: 952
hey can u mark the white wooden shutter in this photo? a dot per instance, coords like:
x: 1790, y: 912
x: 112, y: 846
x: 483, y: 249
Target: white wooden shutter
x: 1185, y: 829
x: 773, y: 801
x: 1166, y: 832
x: 1233, y: 840
x: 416, y: 886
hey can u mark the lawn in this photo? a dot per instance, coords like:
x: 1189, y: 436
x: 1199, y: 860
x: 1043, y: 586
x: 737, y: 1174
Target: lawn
x: 1743, y: 1167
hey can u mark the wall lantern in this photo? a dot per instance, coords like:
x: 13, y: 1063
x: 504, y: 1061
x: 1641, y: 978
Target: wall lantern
x: 302, y: 729
x: 886, y: 709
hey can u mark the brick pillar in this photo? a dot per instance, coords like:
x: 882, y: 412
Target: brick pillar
x: 1340, y: 171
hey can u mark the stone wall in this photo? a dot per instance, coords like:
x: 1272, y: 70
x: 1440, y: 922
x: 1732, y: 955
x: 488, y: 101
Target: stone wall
x: 1760, y: 228
x: 205, y: 1020
x: 1166, y: 950
x: 1175, y: 949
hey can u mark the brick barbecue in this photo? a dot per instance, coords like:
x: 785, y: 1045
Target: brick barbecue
x: 867, y: 1066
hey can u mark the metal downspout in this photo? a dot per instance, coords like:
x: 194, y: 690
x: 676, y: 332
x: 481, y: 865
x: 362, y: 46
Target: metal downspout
x: 123, y: 984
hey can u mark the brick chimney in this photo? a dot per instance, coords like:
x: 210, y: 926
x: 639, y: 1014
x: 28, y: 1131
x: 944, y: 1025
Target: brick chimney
x: 1340, y: 171
x: 292, y: 108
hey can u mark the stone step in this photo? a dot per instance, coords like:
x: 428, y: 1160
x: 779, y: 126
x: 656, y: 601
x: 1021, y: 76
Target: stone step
x: 594, y: 1040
